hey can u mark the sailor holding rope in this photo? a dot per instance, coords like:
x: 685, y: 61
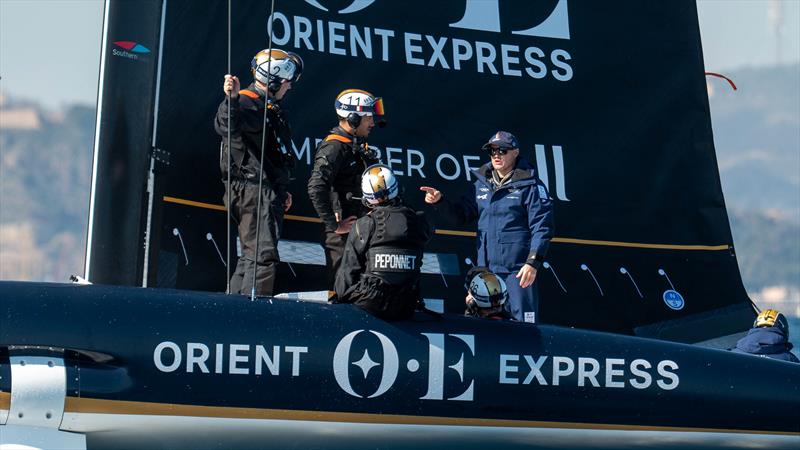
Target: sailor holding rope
x: 259, y: 221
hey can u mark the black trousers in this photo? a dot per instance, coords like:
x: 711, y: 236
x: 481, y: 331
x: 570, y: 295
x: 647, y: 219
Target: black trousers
x: 244, y: 210
x: 334, y: 250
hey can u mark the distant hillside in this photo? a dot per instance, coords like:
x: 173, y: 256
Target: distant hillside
x: 768, y: 250
x: 45, y: 168
x: 757, y: 137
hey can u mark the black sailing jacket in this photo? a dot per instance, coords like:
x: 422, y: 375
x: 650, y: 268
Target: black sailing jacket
x: 247, y: 119
x: 338, y: 165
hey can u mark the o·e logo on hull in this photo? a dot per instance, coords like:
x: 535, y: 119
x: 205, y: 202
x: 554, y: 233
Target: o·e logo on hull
x: 391, y: 361
x: 341, y: 364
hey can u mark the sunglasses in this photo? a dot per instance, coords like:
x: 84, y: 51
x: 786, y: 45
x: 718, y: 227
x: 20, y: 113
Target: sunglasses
x: 497, y: 150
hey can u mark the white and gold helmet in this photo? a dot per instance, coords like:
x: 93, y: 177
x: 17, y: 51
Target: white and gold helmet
x: 487, y: 289
x: 378, y: 185
x: 353, y: 104
x: 272, y: 67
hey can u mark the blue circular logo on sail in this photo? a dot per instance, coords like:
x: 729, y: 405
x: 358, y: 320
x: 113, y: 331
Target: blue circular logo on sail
x: 673, y: 299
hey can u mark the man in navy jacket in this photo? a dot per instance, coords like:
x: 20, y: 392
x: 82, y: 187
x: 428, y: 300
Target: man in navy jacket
x: 769, y: 337
x: 515, y: 220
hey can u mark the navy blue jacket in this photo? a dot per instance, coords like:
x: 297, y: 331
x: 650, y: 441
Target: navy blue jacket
x: 770, y: 342
x: 515, y: 222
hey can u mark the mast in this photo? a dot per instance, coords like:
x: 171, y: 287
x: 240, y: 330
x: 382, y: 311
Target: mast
x: 125, y: 108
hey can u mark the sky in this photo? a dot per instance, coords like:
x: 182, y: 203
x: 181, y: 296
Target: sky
x: 50, y: 49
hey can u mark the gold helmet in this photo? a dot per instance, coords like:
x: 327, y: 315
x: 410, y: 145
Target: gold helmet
x: 487, y: 289
x: 772, y: 318
x: 378, y: 185
x: 272, y: 67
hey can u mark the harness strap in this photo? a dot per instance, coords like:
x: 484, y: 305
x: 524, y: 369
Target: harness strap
x: 336, y: 137
x: 254, y: 96
x: 249, y: 93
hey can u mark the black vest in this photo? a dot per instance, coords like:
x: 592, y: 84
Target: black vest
x: 396, y: 245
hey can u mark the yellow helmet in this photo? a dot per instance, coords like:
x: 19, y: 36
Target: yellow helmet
x: 772, y: 318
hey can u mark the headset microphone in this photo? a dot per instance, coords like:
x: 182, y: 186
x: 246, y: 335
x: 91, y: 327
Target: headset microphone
x: 350, y: 197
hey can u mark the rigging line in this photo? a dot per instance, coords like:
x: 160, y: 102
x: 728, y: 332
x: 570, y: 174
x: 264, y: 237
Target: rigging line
x: 264, y: 130
x: 228, y: 184
x: 719, y: 75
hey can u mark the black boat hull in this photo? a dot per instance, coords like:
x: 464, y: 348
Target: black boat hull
x: 158, y: 367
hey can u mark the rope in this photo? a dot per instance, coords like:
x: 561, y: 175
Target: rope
x: 228, y: 185
x: 265, y: 128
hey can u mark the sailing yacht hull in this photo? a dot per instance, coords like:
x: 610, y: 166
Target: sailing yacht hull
x: 128, y: 432
x: 164, y: 368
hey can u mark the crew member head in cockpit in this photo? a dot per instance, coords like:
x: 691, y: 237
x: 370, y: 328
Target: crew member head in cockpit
x: 486, y: 295
x: 380, y: 270
x: 769, y: 337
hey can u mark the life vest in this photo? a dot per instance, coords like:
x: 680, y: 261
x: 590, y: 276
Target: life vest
x: 396, y: 244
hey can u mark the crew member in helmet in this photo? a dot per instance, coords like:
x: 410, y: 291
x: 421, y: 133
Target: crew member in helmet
x: 274, y: 73
x: 383, y: 254
x: 769, y: 337
x: 486, y: 295
x: 338, y: 163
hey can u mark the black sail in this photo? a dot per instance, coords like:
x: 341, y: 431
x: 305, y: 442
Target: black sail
x: 608, y: 101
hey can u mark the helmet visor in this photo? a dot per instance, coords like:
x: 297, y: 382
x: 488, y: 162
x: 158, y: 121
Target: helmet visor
x: 298, y: 69
x: 377, y: 107
x: 379, y: 112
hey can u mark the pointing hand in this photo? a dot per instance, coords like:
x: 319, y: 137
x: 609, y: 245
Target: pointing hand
x: 432, y: 195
